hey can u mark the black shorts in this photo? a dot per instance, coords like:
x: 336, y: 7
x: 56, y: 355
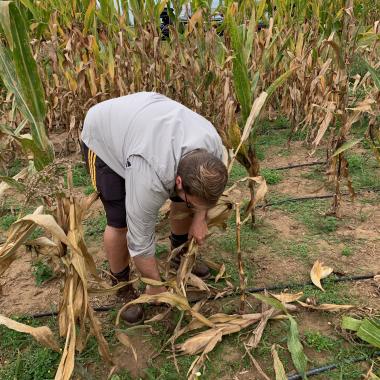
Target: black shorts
x: 111, y: 188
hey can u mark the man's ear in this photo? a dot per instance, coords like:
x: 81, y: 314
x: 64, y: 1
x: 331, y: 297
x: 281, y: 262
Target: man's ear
x: 178, y: 182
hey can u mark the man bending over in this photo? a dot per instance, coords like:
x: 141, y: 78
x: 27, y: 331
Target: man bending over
x: 142, y: 149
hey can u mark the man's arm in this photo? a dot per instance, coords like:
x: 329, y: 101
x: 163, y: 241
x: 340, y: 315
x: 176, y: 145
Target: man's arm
x: 198, y: 229
x: 144, y: 197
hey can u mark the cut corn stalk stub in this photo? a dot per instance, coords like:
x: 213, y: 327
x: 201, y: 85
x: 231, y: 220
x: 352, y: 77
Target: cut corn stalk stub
x: 318, y: 272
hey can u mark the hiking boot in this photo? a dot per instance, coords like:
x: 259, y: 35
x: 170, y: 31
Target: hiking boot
x: 133, y: 314
x: 200, y: 269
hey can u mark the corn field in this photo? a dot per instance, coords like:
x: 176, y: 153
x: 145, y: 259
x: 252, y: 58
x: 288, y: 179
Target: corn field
x: 260, y: 60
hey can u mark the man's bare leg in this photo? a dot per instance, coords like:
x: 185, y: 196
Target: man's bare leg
x: 115, y: 245
x: 147, y: 266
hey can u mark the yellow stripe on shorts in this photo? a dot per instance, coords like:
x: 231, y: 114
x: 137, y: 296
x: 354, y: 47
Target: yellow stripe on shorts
x: 91, y: 165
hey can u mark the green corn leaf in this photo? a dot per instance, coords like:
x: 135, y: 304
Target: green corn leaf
x: 241, y: 80
x: 347, y: 145
x: 350, y: 323
x: 5, y: 22
x: 89, y: 16
x: 25, y: 66
x: 8, y: 75
x: 19, y: 73
x: 271, y: 302
x: 374, y: 73
x: 280, y: 81
x: 369, y: 331
x: 13, y: 183
x: 295, y: 348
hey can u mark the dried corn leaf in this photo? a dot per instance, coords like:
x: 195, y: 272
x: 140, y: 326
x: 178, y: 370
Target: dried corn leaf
x: 42, y: 334
x: 18, y: 234
x: 197, y: 283
x: 124, y: 339
x: 278, y: 366
x: 318, y: 272
x: 256, y: 364
x: 221, y: 272
x: 287, y: 297
x: 198, y: 343
x: 254, y: 340
x: 326, y: 307
x: 169, y: 298
x: 270, y: 301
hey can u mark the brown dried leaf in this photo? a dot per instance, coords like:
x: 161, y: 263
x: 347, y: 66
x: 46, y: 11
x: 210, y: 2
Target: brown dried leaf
x: 287, y: 297
x: 278, y: 366
x: 254, y: 340
x: 256, y: 364
x: 326, y: 307
x: 169, y: 298
x: 42, y: 334
x: 319, y: 272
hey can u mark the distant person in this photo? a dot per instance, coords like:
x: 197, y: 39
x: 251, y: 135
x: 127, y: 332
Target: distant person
x: 142, y: 149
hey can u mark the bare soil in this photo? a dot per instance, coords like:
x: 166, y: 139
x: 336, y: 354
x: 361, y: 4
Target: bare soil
x: 360, y: 227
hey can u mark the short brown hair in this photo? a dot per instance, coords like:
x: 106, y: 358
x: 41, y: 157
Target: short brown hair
x: 203, y: 175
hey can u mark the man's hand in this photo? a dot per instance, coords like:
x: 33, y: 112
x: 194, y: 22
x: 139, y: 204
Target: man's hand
x: 198, y: 229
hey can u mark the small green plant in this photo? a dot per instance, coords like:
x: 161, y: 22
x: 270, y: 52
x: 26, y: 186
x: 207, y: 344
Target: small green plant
x: 319, y: 342
x: 272, y: 177
x: 300, y: 250
x: 41, y: 272
x: 22, y: 358
x: 237, y: 172
x: 6, y: 221
x: 161, y: 249
x: 89, y: 190
x: 347, y: 251
x: 94, y: 227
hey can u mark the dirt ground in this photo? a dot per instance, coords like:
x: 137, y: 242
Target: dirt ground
x: 359, y: 226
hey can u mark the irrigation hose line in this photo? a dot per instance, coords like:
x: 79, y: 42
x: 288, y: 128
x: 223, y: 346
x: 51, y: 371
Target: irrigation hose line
x: 248, y: 290
x: 330, y: 367
x: 304, y: 164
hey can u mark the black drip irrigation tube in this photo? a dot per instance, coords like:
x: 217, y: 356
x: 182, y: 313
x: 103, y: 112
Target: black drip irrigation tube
x: 293, y: 166
x: 308, y: 198
x: 248, y: 290
x: 330, y: 367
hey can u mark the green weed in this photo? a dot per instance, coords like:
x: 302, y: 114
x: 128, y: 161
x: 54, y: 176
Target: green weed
x: 6, y: 221
x: 364, y: 171
x: 316, y: 174
x: 238, y: 171
x: 89, y: 190
x: 24, y: 359
x: 311, y: 214
x: 347, y: 251
x: 161, y: 249
x: 81, y: 176
x: 319, y: 342
x: 94, y: 227
x: 335, y: 293
x: 41, y: 272
x: 14, y: 168
x: 272, y: 177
